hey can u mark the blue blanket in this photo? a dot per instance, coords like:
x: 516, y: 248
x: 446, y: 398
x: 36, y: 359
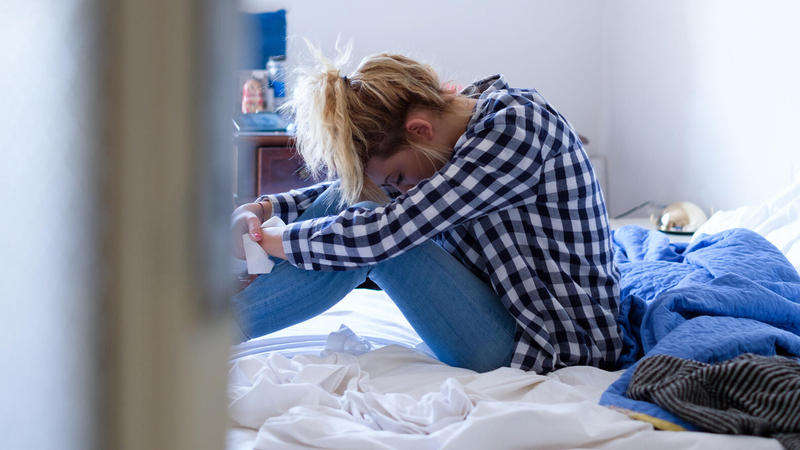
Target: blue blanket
x: 720, y: 296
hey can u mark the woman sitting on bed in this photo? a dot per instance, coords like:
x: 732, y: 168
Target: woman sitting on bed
x: 478, y: 213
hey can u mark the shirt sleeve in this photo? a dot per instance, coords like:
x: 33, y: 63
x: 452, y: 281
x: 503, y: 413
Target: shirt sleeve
x: 289, y: 205
x: 495, y: 166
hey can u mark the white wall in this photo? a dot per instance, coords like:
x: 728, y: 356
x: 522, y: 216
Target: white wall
x: 701, y: 100
x: 51, y: 387
x: 686, y: 100
x: 552, y: 46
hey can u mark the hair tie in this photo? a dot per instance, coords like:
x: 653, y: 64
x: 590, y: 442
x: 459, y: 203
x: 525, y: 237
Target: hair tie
x: 345, y: 79
x: 263, y: 212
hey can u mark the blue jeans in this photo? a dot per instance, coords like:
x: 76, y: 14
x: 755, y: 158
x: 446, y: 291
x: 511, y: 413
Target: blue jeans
x: 460, y: 318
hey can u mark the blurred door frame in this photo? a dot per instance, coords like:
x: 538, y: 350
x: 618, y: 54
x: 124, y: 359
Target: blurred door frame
x: 168, y: 198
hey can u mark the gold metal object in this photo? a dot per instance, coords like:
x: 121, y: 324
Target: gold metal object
x: 680, y: 218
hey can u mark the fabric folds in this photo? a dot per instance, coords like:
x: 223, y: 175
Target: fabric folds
x: 750, y: 394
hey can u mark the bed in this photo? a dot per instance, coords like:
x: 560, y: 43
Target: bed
x: 359, y: 377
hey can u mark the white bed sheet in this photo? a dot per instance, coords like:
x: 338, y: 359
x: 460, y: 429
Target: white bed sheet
x: 370, y: 314
x: 397, y: 398
x: 306, y: 387
x: 777, y: 219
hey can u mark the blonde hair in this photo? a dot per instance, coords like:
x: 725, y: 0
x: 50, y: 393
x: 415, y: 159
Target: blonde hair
x: 344, y: 121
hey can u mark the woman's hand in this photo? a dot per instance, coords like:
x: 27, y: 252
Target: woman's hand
x: 247, y: 219
x: 272, y: 242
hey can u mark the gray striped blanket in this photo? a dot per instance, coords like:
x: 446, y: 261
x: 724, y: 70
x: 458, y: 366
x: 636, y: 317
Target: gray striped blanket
x: 750, y: 394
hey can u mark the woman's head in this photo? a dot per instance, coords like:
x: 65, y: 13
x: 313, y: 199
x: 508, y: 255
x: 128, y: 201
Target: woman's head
x: 344, y: 120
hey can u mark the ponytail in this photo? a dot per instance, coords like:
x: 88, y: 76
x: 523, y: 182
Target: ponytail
x: 343, y: 120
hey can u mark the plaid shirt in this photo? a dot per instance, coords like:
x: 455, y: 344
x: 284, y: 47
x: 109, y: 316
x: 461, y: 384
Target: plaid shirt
x: 519, y: 204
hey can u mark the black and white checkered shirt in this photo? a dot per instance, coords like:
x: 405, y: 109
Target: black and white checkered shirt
x: 519, y: 204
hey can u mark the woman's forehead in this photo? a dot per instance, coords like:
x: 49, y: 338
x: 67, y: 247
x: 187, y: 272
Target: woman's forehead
x: 379, y: 169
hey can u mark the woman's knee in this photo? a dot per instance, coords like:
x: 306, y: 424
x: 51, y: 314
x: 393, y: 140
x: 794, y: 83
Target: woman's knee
x: 367, y: 205
x: 326, y: 204
x: 329, y: 204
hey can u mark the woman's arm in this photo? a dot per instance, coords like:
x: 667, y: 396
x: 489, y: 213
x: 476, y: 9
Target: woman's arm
x: 247, y: 219
x: 497, y: 166
x: 272, y: 241
x: 290, y: 205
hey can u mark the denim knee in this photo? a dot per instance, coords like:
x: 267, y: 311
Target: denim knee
x: 367, y: 205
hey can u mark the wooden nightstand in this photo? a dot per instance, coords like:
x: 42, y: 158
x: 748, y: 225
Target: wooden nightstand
x: 265, y: 163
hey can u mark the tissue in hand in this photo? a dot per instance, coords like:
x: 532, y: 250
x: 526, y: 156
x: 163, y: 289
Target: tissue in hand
x: 258, y: 261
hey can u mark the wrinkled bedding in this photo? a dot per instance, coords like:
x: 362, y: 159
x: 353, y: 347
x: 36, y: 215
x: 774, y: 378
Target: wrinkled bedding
x: 396, y: 398
x: 373, y: 384
x: 709, y: 301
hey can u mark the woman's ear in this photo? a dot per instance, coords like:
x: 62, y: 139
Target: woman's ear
x: 420, y: 127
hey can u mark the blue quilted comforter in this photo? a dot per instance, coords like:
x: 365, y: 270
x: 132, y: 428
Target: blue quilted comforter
x: 709, y: 301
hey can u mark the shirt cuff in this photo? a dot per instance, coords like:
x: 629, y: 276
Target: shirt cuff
x: 296, y: 245
x: 276, y: 203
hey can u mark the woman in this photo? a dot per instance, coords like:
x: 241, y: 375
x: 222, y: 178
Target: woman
x: 495, y: 244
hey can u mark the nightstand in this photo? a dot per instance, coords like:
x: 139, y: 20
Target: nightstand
x: 265, y: 163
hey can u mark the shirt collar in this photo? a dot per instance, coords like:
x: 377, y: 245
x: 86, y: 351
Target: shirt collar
x: 485, y: 86
x: 479, y: 90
